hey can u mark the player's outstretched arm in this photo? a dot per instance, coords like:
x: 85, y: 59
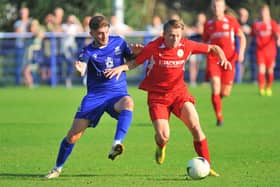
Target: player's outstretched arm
x: 220, y: 53
x: 110, y: 73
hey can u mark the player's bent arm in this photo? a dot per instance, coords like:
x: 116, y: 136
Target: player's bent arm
x: 242, y: 49
x: 129, y: 65
x: 220, y: 53
x: 81, y: 67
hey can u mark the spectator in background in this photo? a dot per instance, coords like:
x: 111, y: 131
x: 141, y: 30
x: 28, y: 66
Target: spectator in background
x: 86, y: 21
x: 58, y: 19
x: 243, y: 18
x: 86, y: 30
x: 219, y: 30
x: 196, y: 59
x: 155, y: 29
x: 60, y: 58
x: 118, y: 28
x: 33, y: 54
x: 49, y: 22
x: 45, y: 69
x: 21, y: 27
x: 69, y: 46
x: 265, y: 31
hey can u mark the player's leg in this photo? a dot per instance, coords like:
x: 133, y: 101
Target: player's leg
x: 159, y: 111
x: 261, y: 78
x: 226, y: 90
x: 270, y: 77
x: 67, y: 145
x: 260, y: 54
x: 125, y: 108
x: 216, y: 98
x: 190, y: 118
x: 162, y: 133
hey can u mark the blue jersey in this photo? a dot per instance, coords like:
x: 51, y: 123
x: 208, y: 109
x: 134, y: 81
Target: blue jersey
x: 100, y: 58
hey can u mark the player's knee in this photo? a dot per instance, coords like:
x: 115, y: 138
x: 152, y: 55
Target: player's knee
x: 225, y: 94
x: 73, y: 138
x: 128, y: 103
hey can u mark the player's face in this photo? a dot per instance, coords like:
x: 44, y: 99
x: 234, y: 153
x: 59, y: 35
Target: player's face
x: 218, y: 8
x: 172, y: 37
x: 101, y: 36
x: 265, y: 13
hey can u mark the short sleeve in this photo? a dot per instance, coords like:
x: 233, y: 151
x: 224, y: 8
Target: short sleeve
x: 127, y: 52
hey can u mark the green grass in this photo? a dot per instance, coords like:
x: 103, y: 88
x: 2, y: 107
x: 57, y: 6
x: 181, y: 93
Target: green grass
x: 245, y: 151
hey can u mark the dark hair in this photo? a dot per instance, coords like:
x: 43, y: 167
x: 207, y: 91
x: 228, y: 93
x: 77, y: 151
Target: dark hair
x: 97, y: 22
x: 173, y: 23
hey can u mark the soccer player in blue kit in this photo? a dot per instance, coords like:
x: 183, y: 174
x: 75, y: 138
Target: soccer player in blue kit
x: 103, y: 94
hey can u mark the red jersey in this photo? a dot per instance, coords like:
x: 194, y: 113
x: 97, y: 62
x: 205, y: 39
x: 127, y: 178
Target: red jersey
x: 165, y: 69
x: 221, y: 33
x: 265, y: 34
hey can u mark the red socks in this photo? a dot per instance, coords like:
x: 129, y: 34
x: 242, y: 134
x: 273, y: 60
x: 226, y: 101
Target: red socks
x: 261, y: 80
x: 201, y: 148
x: 217, y: 105
x: 270, y: 79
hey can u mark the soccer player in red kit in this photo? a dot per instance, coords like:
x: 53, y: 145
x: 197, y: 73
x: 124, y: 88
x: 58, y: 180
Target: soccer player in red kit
x: 265, y: 31
x: 167, y: 91
x: 221, y: 30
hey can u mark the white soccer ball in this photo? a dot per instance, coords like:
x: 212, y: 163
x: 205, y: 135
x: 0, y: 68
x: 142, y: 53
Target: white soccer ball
x: 198, y: 168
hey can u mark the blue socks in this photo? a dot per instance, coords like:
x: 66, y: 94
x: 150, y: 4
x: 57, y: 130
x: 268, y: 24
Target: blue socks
x: 64, y: 151
x: 124, y: 121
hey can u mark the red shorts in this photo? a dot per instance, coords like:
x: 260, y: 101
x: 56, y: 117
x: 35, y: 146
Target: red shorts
x: 215, y: 69
x: 266, y: 57
x: 162, y: 104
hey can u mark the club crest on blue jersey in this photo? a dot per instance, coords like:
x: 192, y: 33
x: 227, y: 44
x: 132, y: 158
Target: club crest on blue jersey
x: 109, y: 62
x: 94, y: 55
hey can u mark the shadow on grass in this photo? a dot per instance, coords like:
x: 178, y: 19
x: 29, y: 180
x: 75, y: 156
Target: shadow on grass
x: 147, y: 177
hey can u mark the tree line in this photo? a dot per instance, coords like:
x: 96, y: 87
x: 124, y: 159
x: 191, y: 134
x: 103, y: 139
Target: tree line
x: 137, y: 13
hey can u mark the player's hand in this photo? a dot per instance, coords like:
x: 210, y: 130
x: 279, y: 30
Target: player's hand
x: 110, y: 73
x: 225, y: 64
x: 80, y: 67
x: 136, y: 48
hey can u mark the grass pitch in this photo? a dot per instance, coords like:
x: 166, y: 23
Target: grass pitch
x: 245, y: 151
